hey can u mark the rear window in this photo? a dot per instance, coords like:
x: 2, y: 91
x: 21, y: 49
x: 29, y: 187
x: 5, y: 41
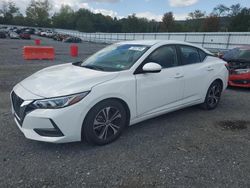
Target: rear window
x: 203, y: 55
x: 189, y: 55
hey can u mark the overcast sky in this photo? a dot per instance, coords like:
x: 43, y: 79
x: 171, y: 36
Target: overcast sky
x: 151, y: 9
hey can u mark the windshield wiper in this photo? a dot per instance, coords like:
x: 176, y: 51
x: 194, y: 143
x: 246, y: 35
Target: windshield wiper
x: 78, y: 63
x: 93, y: 67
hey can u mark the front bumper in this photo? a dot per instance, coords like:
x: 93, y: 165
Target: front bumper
x: 239, y: 80
x: 49, y: 125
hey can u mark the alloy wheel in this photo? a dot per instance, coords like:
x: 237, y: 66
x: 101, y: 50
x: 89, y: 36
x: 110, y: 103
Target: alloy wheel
x: 107, y: 123
x: 214, y: 95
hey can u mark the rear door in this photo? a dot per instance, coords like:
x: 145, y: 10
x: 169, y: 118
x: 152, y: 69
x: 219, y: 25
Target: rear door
x: 195, y: 71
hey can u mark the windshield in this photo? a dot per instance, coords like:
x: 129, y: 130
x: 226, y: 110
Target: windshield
x: 240, y: 54
x: 116, y: 57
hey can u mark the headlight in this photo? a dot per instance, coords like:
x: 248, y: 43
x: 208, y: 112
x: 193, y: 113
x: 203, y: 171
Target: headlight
x: 242, y: 71
x: 59, y: 102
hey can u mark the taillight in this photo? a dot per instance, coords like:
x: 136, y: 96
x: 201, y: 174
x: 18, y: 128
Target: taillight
x: 227, y: 66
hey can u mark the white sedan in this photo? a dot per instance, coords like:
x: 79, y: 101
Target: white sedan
x: 14, y: 35
x: 121, y: 85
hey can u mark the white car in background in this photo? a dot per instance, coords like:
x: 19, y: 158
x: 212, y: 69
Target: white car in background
x: 49, y: 34
x: 120, y: 85
x: 46, y: 33
x: 14, y: 35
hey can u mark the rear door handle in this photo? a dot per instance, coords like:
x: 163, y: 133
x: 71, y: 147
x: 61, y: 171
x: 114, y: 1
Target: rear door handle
x: 210, y: 69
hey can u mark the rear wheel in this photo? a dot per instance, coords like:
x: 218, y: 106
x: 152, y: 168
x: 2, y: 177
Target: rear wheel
x: 213, y: 96
x: 104, y: 122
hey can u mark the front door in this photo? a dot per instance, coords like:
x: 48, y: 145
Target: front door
x: 159, y: 91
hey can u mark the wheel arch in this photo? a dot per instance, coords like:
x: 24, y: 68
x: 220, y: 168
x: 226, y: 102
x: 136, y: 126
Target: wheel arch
x: 216, y: 79
x: 204, y: 105
x: 124, y: 104
x: 220, y: 81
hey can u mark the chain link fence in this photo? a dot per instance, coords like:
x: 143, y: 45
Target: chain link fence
x: 209, y: 40
x: 216, y: 40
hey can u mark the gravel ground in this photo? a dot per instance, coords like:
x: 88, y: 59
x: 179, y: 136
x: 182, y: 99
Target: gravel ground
x: 187, y: 148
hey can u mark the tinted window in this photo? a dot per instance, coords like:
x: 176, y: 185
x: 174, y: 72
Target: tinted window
x: 203, y: 55
x: 189, y: 55
x: 166, y: 56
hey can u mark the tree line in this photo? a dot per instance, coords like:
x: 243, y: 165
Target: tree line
x: 38, y: 14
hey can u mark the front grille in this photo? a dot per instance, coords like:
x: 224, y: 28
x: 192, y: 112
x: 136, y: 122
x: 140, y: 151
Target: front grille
x: 241, y: 81
x: 232, y: 72
x: 20, y: 111
x: 16, y: 102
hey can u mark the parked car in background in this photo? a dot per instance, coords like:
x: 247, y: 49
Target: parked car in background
x: 46, y: 33
x: 24, y: 35
x: 239, y: 66
x: 14, y: 35
x: 18, y: 31
x: 72, y: 40
x: 43, y: 33
x: 121, y: 85
x: 2, y: 34
x: 30, y: 30
x: 49, y: 34
x: 60, y: 37
x: 38, y: 31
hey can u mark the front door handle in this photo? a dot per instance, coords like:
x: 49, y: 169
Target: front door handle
x: 178, y: 75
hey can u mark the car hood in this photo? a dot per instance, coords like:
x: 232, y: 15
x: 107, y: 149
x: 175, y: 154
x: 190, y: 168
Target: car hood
x: 64, y: 79
x: 234, y: 64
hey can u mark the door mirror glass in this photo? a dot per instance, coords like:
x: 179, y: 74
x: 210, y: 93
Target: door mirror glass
x: 151, y: 67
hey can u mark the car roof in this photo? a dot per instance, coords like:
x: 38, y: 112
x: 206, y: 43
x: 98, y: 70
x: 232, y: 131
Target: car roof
x: 140, y: 42
x: 161, y: 42
x: 154, y: 42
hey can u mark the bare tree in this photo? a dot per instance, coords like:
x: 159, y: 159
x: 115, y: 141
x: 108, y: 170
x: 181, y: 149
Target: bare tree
x: 221, y: 10
x: 235, y: 9
x: 197, y: 14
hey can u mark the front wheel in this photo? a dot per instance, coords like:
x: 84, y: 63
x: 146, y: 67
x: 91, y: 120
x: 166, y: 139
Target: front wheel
x: 105, y: 122
x: 213, y: 96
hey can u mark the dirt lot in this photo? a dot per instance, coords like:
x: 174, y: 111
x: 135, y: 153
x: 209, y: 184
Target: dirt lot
x: 187, y: 148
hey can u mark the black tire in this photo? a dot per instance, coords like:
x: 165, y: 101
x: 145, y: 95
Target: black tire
x: 100, y: 130
x: 213, y: 96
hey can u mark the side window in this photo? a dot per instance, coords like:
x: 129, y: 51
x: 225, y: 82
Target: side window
x: 203, y: 55
x: 166, y: 56
x: 189, y: 55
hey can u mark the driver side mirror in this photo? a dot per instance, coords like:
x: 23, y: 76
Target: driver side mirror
x: 151, y: 68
